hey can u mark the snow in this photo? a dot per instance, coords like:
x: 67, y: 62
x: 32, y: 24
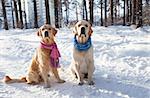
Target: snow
x: 122, y: 61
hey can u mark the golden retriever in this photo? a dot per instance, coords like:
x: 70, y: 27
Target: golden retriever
x: 82, y: 65
x: 44, y: 61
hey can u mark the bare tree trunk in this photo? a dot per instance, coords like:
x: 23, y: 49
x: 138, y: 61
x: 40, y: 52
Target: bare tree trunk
x: 111, y: 12
x: 139, y: 13
x: 67, y: 16
x: 147, y: 2
x: 134, y: 12
x: 83, y: 13
x: 20, y: 12
x: 25, y: 16
x: 91, y: 10
x: 105, y: 13
x: 115, y: 11
x: 124, y: 13
x: 130, y: 12
x: 118, y: 9
x: 35, y: 15
x: 60, y: 14
x: 16, y: 13
x: 101, y: 12
x: 5, y: 16
x: 12, y: 15
x: 56, y: 13
x: 127, y: 11
x: 84, y: 7
x: 47, y: 12
x: 77, y: 13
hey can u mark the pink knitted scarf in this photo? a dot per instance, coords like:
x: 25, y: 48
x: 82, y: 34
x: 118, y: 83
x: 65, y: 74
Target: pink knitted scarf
x: 54, y: 55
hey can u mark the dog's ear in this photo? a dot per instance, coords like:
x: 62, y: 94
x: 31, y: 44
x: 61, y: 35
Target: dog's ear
x: 54, y: 31
x: 90, y: 31
x: 39, y: 33
x: 75, y: 30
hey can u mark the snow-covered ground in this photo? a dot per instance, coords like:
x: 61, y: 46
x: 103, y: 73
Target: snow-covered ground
x: 122, y: 61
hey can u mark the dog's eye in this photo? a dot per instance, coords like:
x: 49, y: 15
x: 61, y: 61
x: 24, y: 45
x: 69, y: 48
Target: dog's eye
x: 79, y: 25
x: 42, y: 29
x: 86, y: 25
x: 49, y: 29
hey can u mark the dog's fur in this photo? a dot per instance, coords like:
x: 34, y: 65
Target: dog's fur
x: 82, y: 65
x: 40, y: 65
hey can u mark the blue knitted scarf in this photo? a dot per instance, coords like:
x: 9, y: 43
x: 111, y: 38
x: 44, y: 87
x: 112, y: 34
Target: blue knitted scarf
x: 82, y: 46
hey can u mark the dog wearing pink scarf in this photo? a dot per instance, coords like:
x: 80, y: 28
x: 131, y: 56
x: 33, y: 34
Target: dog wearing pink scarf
x: 45, y: 60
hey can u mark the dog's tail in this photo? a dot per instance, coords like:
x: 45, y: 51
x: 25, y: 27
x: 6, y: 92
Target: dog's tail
x: 8, y: 80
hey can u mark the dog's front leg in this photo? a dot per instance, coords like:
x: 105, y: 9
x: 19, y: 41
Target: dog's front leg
x: 79, y: 75
x: 55, y: 72
x: 45, y: 76
x: 90, y: 74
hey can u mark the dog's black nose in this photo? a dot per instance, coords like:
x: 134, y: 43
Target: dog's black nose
x: 46, y: 33
x: 82, y: 30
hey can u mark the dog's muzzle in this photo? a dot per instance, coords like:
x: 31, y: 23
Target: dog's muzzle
x: 46, y: 34
x: 82, y: 31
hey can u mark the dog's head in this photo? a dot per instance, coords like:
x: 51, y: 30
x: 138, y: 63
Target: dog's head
x: 47, y: 33
x: 83, y: 31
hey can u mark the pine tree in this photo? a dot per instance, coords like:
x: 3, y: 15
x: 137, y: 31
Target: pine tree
x: 5, y: 16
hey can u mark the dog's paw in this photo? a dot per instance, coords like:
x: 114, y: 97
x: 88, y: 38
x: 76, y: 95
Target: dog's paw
x: 7, y: 79
x: 61, y: 81
x: 47, y: 86
x: 80, y: 83
x: 23, y: 79
x: 32, y: 83
x: 91, y: 83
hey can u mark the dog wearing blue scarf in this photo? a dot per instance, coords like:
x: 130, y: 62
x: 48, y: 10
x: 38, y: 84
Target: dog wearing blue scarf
x: 82, y: 65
